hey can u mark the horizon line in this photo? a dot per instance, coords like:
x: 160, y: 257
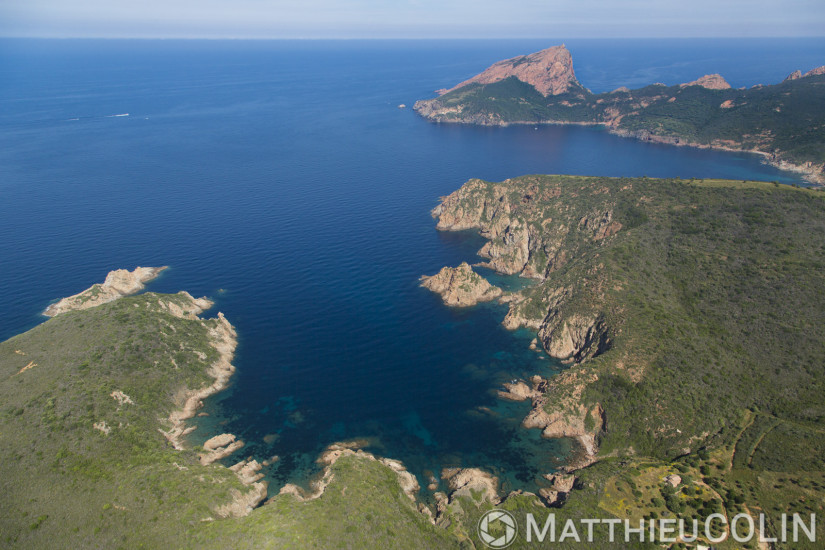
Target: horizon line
x: 390, y: 38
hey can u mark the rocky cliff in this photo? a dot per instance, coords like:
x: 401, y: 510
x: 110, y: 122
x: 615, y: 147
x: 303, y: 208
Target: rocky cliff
x: 548, y: 231
x: 533, y: 233
x: 549, y: 71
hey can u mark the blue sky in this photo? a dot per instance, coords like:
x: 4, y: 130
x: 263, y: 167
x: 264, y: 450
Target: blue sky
x: 411, y: 18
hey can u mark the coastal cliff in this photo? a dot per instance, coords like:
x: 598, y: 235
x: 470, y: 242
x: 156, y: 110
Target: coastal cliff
x: 625, y: 281
x: 778, y: 122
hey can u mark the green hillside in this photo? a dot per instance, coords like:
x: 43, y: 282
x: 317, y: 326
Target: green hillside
x: 690, y: 314
x: 785, y: 121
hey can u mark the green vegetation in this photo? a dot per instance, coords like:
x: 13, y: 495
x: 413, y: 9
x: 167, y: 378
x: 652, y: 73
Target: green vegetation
x: 705, y: 353
x: 67, y: 484
x: 786, y: 120
x: 711, y: 294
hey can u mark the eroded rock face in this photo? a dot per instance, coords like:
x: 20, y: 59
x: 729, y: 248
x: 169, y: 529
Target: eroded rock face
x: 224, y: 339
x: 517, y: 247
x: 475, y: 206
x: 118, y: 283
x: 242, y: 504
x: 549, y: 71
x: 709, y: 81
x: 815, y: 72
x: 573, y: 336
x: 461, y: 286
x: 601, y: 225
x: 463, y: 482
x: 562, y: 484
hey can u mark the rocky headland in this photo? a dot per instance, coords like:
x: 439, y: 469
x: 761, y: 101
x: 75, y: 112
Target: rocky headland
x: 549, y: 71
x: 118, y: 283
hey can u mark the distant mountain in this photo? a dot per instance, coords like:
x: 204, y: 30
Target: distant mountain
x: 785, y: 122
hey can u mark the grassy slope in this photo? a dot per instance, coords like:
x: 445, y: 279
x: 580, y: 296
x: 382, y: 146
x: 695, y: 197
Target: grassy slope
x: 713, y: 293
x: 66, y: 484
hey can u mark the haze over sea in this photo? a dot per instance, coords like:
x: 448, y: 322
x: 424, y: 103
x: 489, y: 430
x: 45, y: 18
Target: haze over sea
x: 281, y: 179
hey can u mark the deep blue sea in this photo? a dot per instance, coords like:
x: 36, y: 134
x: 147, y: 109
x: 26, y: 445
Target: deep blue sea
x: 282, y: 180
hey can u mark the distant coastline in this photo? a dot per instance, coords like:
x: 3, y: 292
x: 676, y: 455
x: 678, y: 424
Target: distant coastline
x: 776, y: 121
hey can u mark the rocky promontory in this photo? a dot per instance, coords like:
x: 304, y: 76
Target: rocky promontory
x: 461, y: 286
x: 709, y: 81
x: 541, y: 88
x: 549, y: 71
x: 118, y: 283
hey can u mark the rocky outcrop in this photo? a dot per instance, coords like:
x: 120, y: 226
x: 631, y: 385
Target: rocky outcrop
x: 518, y: 391
x: 574, y: 336
x: 673, y: 480
x: 549, y: 71
x: 242, y: 504
x: 600, y: 225
x: 515, y: 242
x: 709, y: 81
x: 468, y: 482
x: 561, y: 485
x: 568, y: 419
x: 118, y: 283
x: 407, y: 481
x: 248, y: 471
x: 815, y: 72
x: 797, y: 74
x: 477, y: 205
x: 219, y: 447
x: 461, y: 286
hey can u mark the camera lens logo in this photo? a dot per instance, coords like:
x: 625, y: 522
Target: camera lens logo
x: 497, y: 529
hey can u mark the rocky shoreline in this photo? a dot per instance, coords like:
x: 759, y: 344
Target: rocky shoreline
x: 224, y: 338
x: 574, y: 336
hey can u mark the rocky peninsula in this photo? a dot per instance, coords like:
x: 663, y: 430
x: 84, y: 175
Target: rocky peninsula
x: 118, y: 283
x: 774, y: 121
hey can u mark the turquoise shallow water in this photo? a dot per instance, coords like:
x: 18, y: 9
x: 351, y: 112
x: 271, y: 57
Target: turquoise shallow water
x: 282, y: 180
